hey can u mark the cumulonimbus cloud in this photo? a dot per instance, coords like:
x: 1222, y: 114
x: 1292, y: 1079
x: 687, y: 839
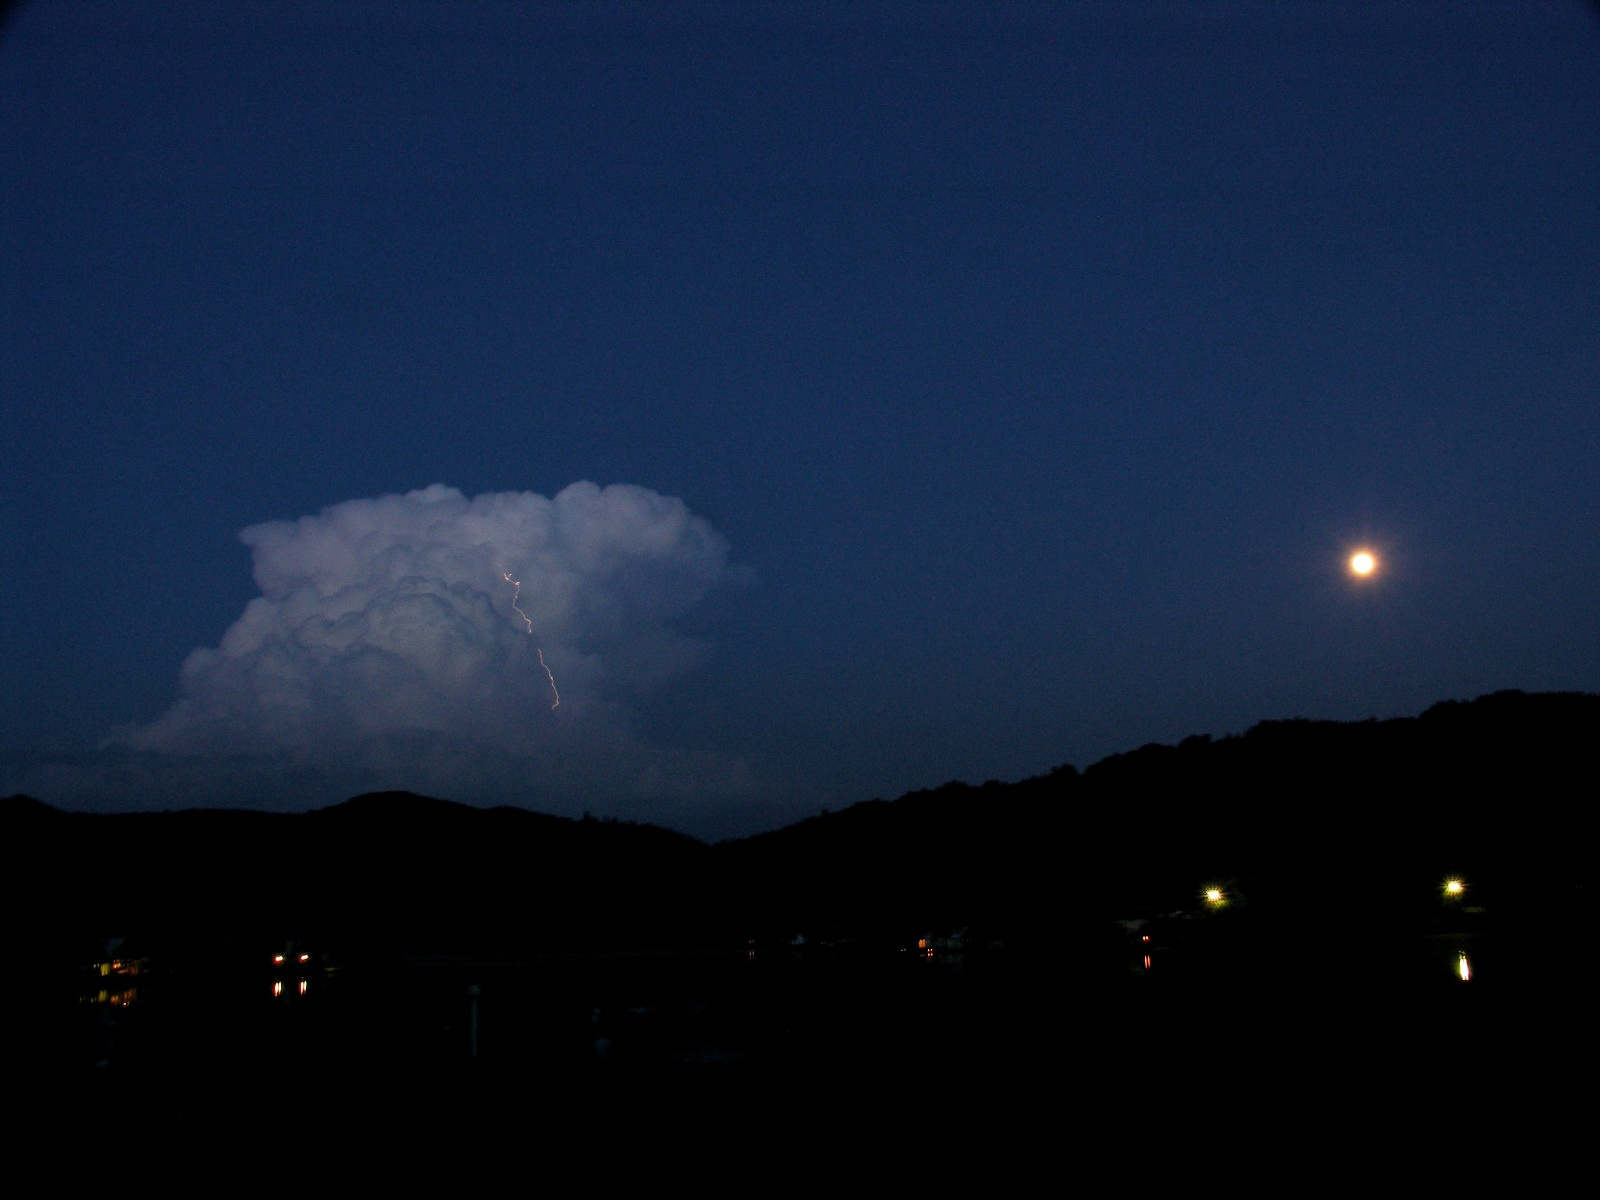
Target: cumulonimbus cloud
x: 384, y: 651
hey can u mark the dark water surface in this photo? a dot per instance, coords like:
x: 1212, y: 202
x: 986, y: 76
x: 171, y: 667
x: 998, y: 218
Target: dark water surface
x: 688, y: 1061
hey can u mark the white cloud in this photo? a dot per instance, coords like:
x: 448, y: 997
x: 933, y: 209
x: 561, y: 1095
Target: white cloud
x: 384, y: 652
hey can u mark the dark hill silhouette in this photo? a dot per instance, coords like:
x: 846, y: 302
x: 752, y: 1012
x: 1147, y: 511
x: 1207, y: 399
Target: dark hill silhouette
x: 1309, y: 822
x: 1369, y: 811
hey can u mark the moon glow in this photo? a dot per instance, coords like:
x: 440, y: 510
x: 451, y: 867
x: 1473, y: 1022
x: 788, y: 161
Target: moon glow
x: 1363, y: 563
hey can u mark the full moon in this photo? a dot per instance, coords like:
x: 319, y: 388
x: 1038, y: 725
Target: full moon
x: 1363, y: 563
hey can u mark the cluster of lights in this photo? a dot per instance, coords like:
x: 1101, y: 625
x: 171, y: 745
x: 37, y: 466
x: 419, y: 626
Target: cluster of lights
x: 279, y: 960
x: 122, y: 966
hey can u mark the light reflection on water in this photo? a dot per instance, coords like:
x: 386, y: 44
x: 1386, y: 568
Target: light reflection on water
x: 118, y: 999
x: 1151, y: 959
x: 1455, y: 959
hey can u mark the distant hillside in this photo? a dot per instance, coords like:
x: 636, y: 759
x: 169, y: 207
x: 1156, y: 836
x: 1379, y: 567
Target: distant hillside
x: 1505, y: 783
x: 386, y: 869
x: 1308, y: 821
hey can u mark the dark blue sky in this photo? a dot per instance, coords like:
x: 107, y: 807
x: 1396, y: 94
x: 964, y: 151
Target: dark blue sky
x: 989, y: 387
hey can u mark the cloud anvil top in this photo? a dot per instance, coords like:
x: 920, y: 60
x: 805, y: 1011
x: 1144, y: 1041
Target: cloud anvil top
x: 385, y: 644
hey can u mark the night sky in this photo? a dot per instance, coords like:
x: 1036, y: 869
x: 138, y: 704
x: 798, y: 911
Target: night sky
x: 861, y: 396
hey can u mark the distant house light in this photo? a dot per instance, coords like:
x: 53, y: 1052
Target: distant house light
x: 1454, y: 887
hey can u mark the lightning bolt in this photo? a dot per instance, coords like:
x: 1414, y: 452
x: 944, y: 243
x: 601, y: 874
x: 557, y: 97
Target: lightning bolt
x: 516, y: 590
